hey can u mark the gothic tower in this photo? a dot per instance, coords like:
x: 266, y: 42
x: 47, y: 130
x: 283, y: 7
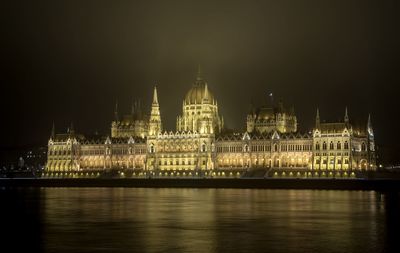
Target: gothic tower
x: 155, y: 126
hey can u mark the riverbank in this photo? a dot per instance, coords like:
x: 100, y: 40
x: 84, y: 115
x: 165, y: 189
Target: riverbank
x: 316, y: 184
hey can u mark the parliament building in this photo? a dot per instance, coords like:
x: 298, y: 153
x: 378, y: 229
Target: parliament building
x: 270, y: 145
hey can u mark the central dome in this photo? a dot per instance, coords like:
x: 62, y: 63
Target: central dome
x: 198, y: 92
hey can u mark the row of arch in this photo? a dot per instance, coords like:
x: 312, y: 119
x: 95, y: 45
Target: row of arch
x: 332, y: 145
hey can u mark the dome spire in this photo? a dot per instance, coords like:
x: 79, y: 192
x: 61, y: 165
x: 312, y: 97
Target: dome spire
x: 199, y: 73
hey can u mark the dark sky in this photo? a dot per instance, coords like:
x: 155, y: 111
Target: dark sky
x: 66, y: 61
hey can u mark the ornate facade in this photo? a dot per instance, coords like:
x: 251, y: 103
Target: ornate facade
x: 138, y: 145
x: 266, y: 119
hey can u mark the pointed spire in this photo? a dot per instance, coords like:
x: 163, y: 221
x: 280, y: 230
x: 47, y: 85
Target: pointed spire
x: 53, y: 131
x: 155, y: 97
x: 133, y: 107
x: 292, y: 111
x: 139, y: 114
x: 199, y: 73
x: 116, y: 110
x: 251, y: 108
x: 346, y: 116
x: 369, y: 125
x: 206, y: 92
x: 317, y: 119
x: 71, y: 129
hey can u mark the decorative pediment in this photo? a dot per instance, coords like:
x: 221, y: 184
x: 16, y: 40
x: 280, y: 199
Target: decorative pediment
x: 108, y: 141
x: 246, y: 136
x: 275, y: 136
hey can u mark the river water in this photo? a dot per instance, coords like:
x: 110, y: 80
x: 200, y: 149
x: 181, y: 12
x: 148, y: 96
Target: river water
x: 197, y: 220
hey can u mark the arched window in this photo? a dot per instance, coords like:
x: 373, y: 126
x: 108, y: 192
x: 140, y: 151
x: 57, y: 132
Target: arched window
x: 331, y: 145
x: 203, y: 147
x: 339, y: 145
x: 317, y: 146
x: 363, y: 147
x: 246, y: 148
x: 275, y: 147
x: 152, y: 149
x: 324, y: 146
x: 346, y: 145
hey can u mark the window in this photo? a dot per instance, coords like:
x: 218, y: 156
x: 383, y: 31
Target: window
x: 363, y: 147
x: 331, y: 145
x: 324, y: 146
x: 339, y: 145
x: 317, y: 146
x: 346, y: 145
x: 203, y: 147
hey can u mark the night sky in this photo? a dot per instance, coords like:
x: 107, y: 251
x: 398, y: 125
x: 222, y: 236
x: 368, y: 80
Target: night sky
x: 67, y: 61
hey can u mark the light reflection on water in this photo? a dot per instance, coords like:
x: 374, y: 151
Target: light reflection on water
x: 212, y: 220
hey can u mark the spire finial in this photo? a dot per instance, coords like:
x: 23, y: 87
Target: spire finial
x: 369, y: 124
x: 199, y: 73
x: 346, y: 116
x: 271, y: 97
x: 53, y: 131
x: 317, y: 119
x: 155, y: 97
x: 116, y: 110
